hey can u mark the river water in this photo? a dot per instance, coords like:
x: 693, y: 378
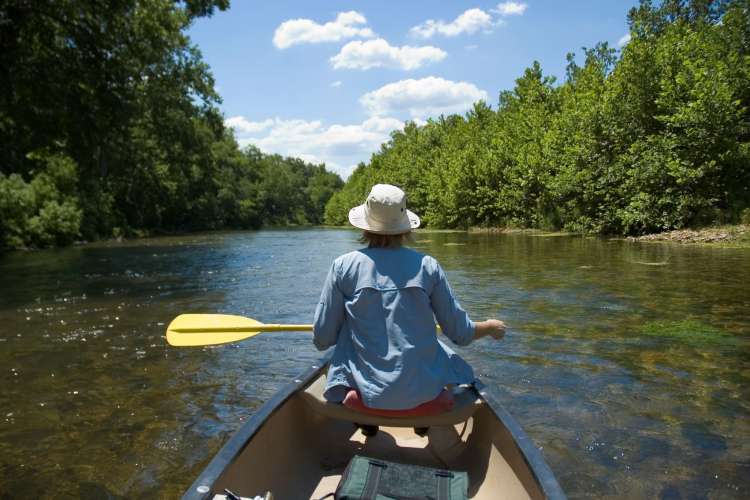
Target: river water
x: 627, y: 363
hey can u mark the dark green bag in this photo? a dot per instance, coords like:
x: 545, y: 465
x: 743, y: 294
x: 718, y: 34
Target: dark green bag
x: 370, y: 479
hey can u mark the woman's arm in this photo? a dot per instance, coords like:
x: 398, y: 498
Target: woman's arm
x: 490, y: 328
x: 454, y: 321
x: 329, y: 314
x: 451, y: 317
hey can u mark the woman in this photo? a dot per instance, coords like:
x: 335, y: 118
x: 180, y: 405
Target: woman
x: 378, y: 307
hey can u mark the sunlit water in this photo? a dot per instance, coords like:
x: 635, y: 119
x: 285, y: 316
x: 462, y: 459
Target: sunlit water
x: 628, y: 364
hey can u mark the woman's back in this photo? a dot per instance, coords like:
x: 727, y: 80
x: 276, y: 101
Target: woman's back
x: 377, y: 307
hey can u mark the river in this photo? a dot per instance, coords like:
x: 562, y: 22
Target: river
x: 628, y: 364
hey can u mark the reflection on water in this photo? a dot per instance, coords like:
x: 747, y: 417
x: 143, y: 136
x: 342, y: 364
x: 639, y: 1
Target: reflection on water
x: 627, y: 363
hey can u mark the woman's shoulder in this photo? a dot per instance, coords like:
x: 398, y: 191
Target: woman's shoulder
x: 371, y: 255
x: 374, y: 255
x: 354, y: 255
x: 353, y: 258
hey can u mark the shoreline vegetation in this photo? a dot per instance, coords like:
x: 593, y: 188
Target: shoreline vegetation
x: 117, y: 133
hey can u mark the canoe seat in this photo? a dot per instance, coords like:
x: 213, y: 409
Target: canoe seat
x: 466, y: 403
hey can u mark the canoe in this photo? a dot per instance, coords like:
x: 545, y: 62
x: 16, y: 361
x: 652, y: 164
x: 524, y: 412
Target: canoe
x: 297, y: 445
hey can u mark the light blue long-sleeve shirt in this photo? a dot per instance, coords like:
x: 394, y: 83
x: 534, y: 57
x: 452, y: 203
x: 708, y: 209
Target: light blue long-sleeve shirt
x: 377, y: 308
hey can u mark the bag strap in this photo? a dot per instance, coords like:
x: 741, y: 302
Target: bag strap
x: 443, y: 484
x: 374, y: 471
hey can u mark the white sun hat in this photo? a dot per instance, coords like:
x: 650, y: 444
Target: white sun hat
x: 384, y: 212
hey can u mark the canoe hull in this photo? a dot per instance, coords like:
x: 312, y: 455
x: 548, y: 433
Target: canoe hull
x: 285, y: 439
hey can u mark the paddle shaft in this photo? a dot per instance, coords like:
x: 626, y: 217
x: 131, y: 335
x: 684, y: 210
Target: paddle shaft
x: 250, y: 328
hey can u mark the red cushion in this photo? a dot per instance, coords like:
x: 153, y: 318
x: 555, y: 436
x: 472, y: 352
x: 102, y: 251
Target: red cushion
x: 442, y: 403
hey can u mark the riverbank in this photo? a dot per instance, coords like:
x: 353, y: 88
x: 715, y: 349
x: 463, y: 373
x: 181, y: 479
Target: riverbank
x: 527, y: 231
x: 737, y: 235
x: 733, y: 235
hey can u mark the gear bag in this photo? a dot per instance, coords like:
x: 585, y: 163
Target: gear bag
x: 371, y: 479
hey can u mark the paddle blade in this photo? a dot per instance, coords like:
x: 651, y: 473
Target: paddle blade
x: 210, y: 329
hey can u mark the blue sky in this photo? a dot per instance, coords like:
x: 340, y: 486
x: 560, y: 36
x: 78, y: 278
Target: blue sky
x: 328, y: 81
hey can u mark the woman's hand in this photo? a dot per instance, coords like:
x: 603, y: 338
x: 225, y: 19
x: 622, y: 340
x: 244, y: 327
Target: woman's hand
x: 490, y: 328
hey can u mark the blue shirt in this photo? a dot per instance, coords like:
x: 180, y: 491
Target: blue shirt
x: 378, y: 307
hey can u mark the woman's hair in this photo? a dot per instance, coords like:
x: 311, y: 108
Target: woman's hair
x: 386, y: 240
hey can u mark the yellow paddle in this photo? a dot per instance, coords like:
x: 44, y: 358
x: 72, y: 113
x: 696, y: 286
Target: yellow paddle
x: 209, y: 329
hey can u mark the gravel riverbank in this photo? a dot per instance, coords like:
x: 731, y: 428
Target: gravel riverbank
x: 733, y: 235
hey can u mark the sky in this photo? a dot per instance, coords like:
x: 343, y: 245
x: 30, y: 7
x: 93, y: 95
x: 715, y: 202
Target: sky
x: 328, y: 81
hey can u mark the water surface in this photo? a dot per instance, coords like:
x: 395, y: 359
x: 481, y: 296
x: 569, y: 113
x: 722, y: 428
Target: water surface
x: 626, y: 363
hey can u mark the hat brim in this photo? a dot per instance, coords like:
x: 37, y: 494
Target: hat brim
x: 359, y: 219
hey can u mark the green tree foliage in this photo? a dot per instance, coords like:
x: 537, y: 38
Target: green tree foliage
x: 292, y: 192
x: 44, y: 211
x: 109, y: 126
x: 653, y: 137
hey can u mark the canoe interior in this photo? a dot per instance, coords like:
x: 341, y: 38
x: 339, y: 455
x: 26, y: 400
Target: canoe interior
x: 298, y: 453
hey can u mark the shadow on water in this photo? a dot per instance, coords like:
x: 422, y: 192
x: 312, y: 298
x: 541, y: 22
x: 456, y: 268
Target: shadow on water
x: 627, y: 363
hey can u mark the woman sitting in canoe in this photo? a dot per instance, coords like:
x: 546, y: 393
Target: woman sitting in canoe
x: 378, y: 307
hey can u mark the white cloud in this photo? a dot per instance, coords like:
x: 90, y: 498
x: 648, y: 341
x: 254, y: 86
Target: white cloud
x: 511, y: 8
x: 422, y: 98
x: 471, y: 47
x: 382, y: 124
x: 296, y: 31
x: 335, y: 84
x: 624, y: 39
x: 243, y: 126
x: 340, y: 147
x: 379, y: 53
x: 469, y: 22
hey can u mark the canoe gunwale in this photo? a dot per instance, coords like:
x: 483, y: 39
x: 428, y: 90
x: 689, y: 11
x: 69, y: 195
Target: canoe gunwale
x: 233, y: 448
x: 533, y: 457
x: 241, y: 438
